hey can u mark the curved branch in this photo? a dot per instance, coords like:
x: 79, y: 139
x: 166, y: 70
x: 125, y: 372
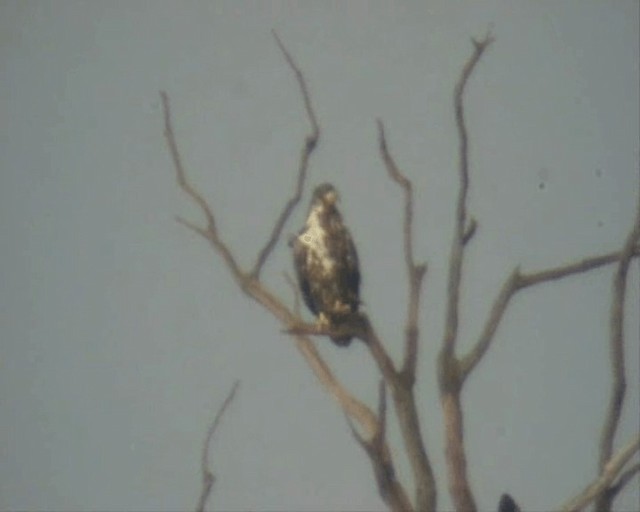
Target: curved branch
x: 608, y: 473
x: 469, y: 362
x: 310, y: 144
x: 210, y: 232
x: 616, y: 351
x: 462, y: 232
x: 616, y: 342
x: 208, y: 478
x: 517, y: 281
x: 415, y: 273
x: 254, y: 289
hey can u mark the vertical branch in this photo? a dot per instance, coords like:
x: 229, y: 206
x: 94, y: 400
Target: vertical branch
x: 449, y: 372
x: 616, y: 351
x: 402, y: 382
x: 376, y: 448
x: 210, y: 232
x: 208, y: 478
x: 408, y: 420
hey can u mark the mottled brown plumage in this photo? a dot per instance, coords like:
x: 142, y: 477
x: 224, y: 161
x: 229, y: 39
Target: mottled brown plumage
x: 326, y: 263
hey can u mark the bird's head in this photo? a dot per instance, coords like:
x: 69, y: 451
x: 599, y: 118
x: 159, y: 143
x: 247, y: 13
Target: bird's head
x: 325, y: 195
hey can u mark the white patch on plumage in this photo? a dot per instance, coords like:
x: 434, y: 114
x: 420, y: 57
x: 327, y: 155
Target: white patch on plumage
x: 314, y: 238
x: 326, y: 263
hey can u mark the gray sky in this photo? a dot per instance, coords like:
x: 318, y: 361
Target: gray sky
x: 121, y: 332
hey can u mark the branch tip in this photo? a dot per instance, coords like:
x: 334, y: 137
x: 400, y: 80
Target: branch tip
x: 310, y: 143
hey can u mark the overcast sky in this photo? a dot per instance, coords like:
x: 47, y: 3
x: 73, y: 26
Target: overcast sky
x: 121, y: 332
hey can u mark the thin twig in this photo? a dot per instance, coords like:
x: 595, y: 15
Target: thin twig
x: 208, y: 478
x: 517, y: 281
x: 570, y: 269
x: 415, y: 273
x: 211, y: 232
x: 469, y: 362
x: 310, y: 144
x: 608, y: 473
x: 469, y: 231
x: 296, y: 292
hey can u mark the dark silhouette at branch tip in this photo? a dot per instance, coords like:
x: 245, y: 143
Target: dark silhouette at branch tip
x: 507, y: 504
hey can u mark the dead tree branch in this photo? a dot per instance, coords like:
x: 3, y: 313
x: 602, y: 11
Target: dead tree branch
x: 211, y: 232
x: 402, y: 392
x: 402, y: 382
x: 463, y: 232
x: 449, y: 378
x: 616, y: 352
x: 253, y: 288
x: 517, y: 281
x: 311, y: 141
x: 208, y: 478
x: 415, y: 273
x: 608, y: 473
x: 377, y: 451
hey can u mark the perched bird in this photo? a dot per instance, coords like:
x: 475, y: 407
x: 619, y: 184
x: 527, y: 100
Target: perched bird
x: 326, y: 263
x: 507, y: 504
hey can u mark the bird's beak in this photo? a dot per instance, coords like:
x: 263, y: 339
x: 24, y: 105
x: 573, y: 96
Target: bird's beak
x: 332, y: 197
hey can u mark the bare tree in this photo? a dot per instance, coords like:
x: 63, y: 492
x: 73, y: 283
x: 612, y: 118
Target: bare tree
x: 368, y: 426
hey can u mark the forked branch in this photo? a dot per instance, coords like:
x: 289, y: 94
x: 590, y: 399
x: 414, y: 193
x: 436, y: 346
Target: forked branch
x: 310, y: 144
x: 415, y: 273
x: 463, y: 231
x: 210, y: 232
x: 609, y: 472
x: 252, y: 287
x: 208, y: 478
x: 517, y: 281
x: 449, y: 378
x: 376, y: 448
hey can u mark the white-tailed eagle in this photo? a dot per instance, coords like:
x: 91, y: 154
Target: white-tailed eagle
x: 326, y: 264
